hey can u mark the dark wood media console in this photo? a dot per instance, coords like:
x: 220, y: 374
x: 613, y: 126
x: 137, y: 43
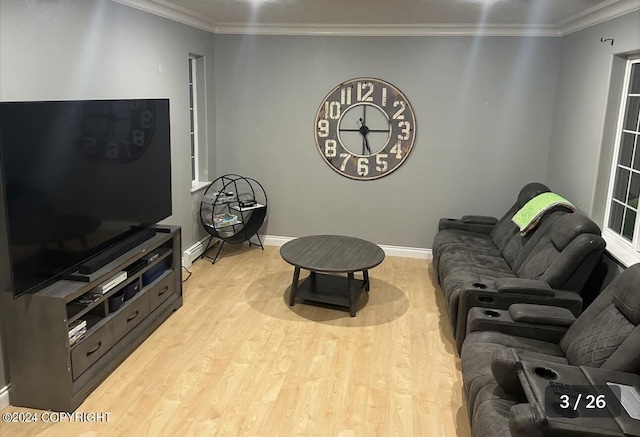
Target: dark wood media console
x: 46, y: 372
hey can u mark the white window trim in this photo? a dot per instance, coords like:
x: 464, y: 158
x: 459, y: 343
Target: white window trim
x: 193, y: 121
x: 199, y: 180
x: 198, y: 185
x: 620, y: 248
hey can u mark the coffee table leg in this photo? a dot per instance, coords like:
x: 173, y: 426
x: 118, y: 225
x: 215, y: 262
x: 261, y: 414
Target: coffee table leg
x: 365, y: 275
x: 352, y: 300
x: 312, y: 277
x: 294, y: 286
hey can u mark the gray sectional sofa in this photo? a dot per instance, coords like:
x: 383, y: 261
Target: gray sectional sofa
x: 498, y: 266
x: 515, y: 309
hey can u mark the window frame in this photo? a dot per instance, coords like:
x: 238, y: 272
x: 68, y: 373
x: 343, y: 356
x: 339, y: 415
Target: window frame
x: 197, y: 125
x: 627, y: 252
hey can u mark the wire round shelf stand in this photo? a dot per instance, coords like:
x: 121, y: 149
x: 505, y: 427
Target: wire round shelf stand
x: 232, y: 210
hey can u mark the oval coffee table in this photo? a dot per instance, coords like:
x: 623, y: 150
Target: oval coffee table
x: 323, y: 256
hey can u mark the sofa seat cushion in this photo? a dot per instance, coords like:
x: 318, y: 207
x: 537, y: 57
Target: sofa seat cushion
x: 461, y: 276
x: 447, y: 237
x: 452, y: 261
x: 449, y: 250
x: 461, y: 248
x: 479, y: 346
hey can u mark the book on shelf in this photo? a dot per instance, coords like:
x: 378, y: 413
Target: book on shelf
x: 77, y: 329
x: 225, y: 219
x: 227, y: 224
x: 75, y: 339
x: 78, y: 334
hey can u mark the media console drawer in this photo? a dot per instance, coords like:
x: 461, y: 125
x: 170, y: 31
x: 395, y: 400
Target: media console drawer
x: 162, y: 290
x: 130, y: 315
x: 90, y: 349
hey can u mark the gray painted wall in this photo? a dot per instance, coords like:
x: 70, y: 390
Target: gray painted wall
x: 98, y: 49
x: 583, y: 133
x: 484, y: 110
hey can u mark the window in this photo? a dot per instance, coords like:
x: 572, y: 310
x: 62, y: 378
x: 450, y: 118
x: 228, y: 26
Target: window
x: 192, y: 117
x: 622, y: 225
x: 196, y: 122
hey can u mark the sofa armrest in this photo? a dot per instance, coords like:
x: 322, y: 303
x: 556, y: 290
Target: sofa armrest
x: 523, y: 286
x: 469, y: 226
x: 541, y: 314
x: 541, y: 382
x: 485, y: 295
x: 479, y: 219
x: 487, y: 319
x: 527, y: 420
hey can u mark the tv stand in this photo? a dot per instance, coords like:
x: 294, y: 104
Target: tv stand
x: 57, y: 373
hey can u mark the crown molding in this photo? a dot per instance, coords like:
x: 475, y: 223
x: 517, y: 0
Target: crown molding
x: 598, y: 14
x: 590, y: 17
x: 385, y: 30
x: 170, y: 11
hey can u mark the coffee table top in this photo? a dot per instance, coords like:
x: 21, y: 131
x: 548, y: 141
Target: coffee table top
x: 332, y: 253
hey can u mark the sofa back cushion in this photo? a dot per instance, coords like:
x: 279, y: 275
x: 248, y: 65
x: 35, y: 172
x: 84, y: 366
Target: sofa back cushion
x: 595, y: 344
x: 567, y: 229
x: 555, y: 258
x: 626, y: 295
x: 505, y: 228
x: 519, y: 246
x: 607, y: 333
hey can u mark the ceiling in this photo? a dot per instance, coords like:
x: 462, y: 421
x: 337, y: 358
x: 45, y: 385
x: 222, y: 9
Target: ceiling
x: 386, y: 17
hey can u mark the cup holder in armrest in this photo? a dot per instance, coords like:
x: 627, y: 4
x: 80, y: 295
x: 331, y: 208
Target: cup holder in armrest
x: 545, y: 373
x: 479, y: 285
x: 491, y: 313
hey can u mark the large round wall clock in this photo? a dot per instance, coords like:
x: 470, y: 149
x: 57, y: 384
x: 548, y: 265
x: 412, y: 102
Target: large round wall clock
x: 365, y: 128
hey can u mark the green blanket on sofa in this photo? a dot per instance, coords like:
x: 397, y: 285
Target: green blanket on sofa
x: 529, y: 215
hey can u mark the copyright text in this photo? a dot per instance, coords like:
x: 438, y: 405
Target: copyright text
x: 56, y: 417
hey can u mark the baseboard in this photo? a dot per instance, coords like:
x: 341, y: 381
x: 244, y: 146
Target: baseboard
x: 272, y: 240
x: 407, y: 252
x: 399, y: 251
x: 193, y: 252
x: 4, y: 397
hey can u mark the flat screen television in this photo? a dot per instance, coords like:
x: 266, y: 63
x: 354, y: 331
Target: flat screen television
x: 79, y: 177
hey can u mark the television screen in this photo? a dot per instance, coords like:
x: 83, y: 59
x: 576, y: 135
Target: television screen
x: 78, y: 177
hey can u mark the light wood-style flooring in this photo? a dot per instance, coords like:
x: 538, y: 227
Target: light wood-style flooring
x: 237, y: 360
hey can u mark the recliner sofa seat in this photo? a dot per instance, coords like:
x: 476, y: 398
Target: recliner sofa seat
x: 561, y: 254
x: 477, y: 233
x: 606, y: 335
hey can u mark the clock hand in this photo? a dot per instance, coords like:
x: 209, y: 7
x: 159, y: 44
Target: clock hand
x: 364, y: 130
